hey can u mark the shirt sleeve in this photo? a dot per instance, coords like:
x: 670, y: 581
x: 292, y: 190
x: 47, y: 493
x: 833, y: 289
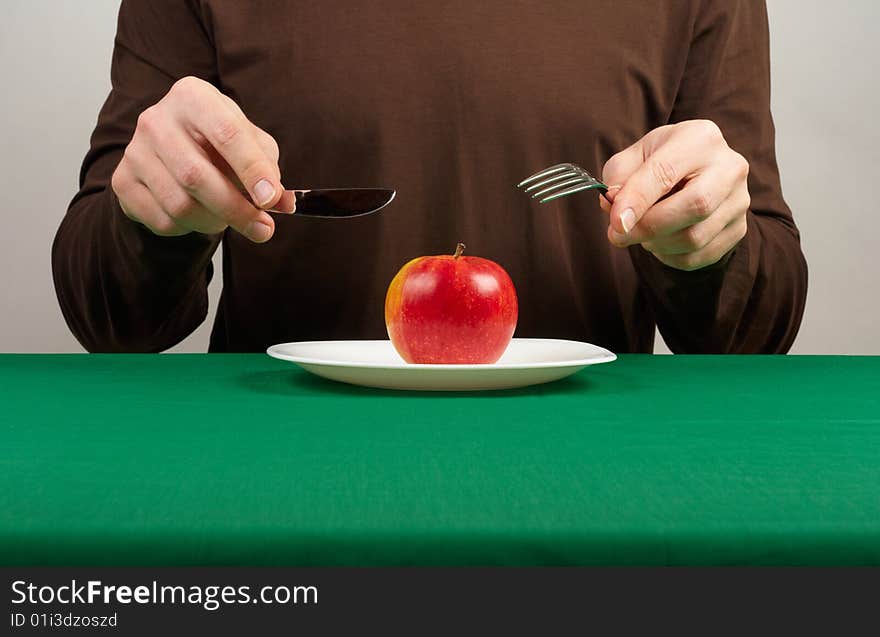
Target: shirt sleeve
x: 753, y: 300
x: 120, y: 287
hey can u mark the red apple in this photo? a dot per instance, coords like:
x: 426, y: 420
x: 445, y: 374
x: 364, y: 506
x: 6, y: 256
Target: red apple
x: 451, y: 309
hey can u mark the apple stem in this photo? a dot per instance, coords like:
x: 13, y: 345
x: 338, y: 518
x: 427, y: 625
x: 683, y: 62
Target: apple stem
x: 458, y: 250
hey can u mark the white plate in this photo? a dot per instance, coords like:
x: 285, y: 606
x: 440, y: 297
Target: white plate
x: 527, y: 361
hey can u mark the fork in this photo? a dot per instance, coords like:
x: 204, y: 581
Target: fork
x: 560, y: 180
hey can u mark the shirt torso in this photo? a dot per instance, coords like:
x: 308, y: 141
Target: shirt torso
x: 451, y: 103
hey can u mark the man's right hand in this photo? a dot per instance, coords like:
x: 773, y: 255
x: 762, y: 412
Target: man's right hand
x: 192, y: 156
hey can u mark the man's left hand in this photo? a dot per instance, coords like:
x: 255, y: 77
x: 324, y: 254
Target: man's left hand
x: 681, y: 192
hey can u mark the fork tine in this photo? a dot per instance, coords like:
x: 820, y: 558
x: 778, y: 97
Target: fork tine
x: 544, y: 182
x: 573, y: 189
x: 561, y: 184
x: 544, y: 173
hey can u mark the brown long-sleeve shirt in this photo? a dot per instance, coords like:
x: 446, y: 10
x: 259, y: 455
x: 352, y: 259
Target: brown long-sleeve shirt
x: 451, y: 102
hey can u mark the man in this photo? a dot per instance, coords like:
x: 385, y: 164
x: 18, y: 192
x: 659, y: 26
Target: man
x: 451, y: 103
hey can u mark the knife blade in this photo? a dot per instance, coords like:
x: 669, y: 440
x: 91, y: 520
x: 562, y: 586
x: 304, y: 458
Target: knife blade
x: 334, y: 203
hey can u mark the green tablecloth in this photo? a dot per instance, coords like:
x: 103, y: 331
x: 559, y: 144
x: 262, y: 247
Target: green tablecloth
x: 242, y: 459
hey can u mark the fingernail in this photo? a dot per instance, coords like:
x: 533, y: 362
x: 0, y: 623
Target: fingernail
x: 627, y: 219
x: 264, y: 192
x: 258, y: 231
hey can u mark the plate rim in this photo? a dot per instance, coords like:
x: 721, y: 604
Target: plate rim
x: 603, y: 356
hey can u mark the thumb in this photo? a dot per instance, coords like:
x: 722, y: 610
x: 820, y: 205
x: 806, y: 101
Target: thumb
x: 618, y: 169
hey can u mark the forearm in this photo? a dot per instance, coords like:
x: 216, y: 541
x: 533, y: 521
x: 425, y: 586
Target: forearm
x: 120, y: 287
x: 751, y: 302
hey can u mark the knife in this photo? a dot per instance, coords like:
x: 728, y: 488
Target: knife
x: 334, y: 203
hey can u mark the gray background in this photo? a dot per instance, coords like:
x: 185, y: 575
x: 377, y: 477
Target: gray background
x: 54, y: 65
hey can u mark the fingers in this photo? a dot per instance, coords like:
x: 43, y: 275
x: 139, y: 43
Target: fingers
x: 138, y: 203
x: 607, y: 198
x: 617, y: 170
x: 620, y: 167
x: 287, y: 202
x: 137, y: 197
x: 684, y: 195
x: 697, y: 236
x: 266, y: 141
x: 175, y: 201
x: 180, y: 154
x: 670, y: 155
x: 713, y: 252
x: 205, y: 112
x: 195, y: 163
x: 269, y: 146
x: 696, y: 202
x: 188, y: 165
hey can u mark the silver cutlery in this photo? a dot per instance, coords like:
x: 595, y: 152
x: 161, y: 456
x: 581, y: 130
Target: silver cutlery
x: 558, y: 181
x: 334, y: 203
